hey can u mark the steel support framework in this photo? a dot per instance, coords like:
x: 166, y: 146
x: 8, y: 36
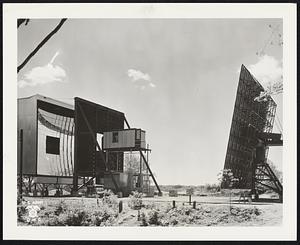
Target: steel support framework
x: 146, y: 162
x: 250, y: 118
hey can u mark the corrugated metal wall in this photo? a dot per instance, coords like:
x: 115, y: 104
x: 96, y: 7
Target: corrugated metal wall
x: 61, y: 128
x: 41, y: 117
x: 27, y: 120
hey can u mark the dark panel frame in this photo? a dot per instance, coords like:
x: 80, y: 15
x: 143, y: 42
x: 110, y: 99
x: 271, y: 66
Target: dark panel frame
x: 250, y: 118
x: 100, y: 119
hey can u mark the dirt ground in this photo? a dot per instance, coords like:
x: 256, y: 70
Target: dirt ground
x: 210, y: 211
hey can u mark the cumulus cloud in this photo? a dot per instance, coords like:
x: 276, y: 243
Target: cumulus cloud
x: 268, y: 70
x: 43, y: 74
x: 138, y: 75
x: 140, y: 79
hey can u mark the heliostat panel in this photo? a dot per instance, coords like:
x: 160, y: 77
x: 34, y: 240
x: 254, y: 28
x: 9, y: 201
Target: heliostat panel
x: 250, y: 117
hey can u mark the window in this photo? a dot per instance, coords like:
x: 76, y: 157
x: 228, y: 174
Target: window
x: 115, y: 137
x: 52, y: 145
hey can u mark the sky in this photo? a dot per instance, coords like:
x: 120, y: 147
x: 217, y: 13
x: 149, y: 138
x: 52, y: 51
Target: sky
x: 174, y: 78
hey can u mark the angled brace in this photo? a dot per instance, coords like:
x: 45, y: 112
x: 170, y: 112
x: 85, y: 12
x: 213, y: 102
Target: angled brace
x: 157, y: 186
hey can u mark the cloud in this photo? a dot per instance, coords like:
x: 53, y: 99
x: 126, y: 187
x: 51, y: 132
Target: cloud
x: 138, y: 75
x: 43, y: 74
x: 140, y: 79
x: 152, y: 85
x: 267, y: 70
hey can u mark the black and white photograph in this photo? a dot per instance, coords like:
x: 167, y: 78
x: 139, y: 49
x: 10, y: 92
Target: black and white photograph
x: 155, y: 121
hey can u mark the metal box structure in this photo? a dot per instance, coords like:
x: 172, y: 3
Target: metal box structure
x: 59, y: 144
x: 48, y: 137
x: 250, y: 118
x: 127, y: 140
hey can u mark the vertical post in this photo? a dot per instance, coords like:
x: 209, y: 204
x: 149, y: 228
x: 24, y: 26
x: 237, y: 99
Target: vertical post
x: 148, y: 179
x: 106, y: 158
x: 147, y: 153
x: 141, y: 174
x: 138, y: 216
x: 34, y: 191
x: 174, y: 204
x: 190, y: 199
x: 194, y: 204
x: 120, y: 206
x: 21, y: 162
x: 253, y: 189
x: 29, y: 184
x: 230, y: 201
x: 75, y: 169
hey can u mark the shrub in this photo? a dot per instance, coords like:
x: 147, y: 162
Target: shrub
x: 21, y: 208
x: 67, y: 218
x: 257, y: 211
x: 97, y: 218
x: 109, y: 198
x: 135, y: 200
x: 53, y: 220
x: 19, y: 199
x: 153, y: 217
x: 64, y: 215
x: 105, y: 216
x: 107, y: 212
x: 173, y: 221
x: 144, y: 220
x: 76, y: 218
x: 21, y: 211
x: 60, y: 208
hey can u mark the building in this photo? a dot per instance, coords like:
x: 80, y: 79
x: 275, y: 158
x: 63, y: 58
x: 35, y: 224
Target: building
x: 64, y: 145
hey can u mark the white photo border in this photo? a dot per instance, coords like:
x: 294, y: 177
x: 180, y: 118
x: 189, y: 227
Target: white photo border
x: 11, y: 12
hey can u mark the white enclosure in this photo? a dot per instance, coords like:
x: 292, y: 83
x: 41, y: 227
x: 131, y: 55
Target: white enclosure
x: 124, y: 139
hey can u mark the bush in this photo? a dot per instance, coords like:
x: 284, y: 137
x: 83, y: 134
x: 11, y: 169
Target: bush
x: 144, y: 220
x: 60, y: 208
x: 76, y: 218
x: 257, y: 211
x: 21, y: 211
x: 105, y: 216
x: 53, y: 220
x: 107, y: 212
x: 135, y: 200
x: 109, y: 199
x: 153, y: 218
x: 173, y: 221
x: 64, y: 215
x: 21, y: 208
